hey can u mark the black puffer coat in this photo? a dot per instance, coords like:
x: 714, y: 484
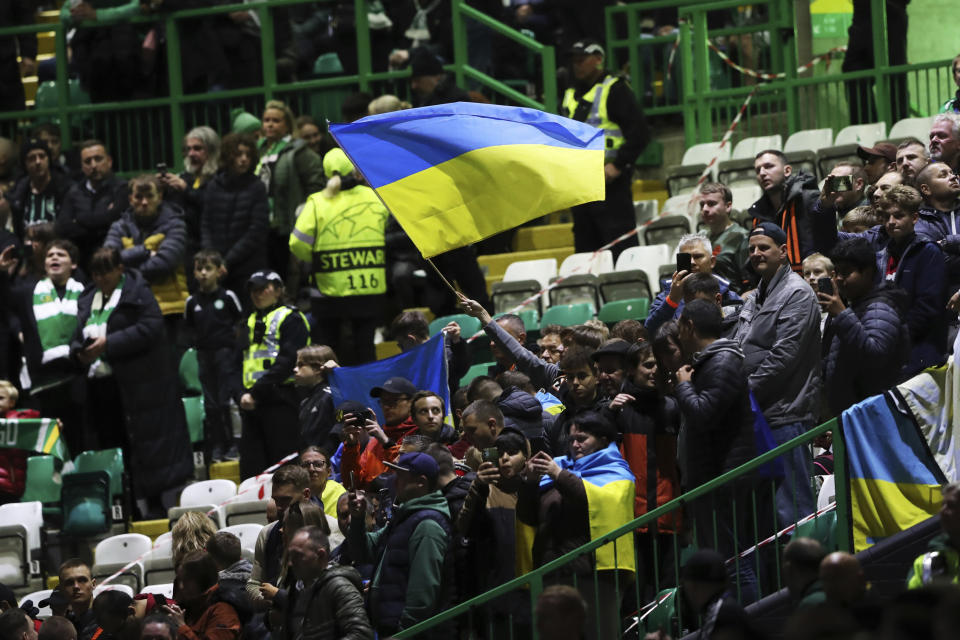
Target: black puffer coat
x: 865, y: 347
x: 234, y: 221
x: 334, y: 609
x: 716, y: 406
x: 136, y: 351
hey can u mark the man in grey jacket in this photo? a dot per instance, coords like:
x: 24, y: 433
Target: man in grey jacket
x: 779, y: 332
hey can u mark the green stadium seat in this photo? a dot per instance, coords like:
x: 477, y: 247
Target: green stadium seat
x: 194, y: 410
x: 109, y: 460
x: 86, y: 503
x: 530, y: 317
x: 44, y: 483
x: 661, y: 618
x: 635, y: 309
x: 468, y: 324
x: 568, y: 314
x: 190, y: 372
x: 475, y: 371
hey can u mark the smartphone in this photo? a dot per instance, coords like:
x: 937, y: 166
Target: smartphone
x: 162, y: 168
x: 825, y: 285
x: 89, y: 340
x: 160, y: 599
x: 353, y: 482
x: 838, y: 184
x: 490, y: 454
x: 684, y: 262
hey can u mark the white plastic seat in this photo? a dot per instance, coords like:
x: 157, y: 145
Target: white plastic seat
x: 35, y: 598
x: 808, y: 140
x: 581, y: 263
x: 744, y: 197
x: 918, y: 128
x: 645, y: 210
x: 647, y: 259
x: 165, y: 589
x: 704, y: 152
x: 246, y: 532
x: 865, y: 135
x: 249, y: 506
x: 114, y: 586
x: 748, y: 148
x: 686, y: 204
x: 206, y: 496
x: 20, y: 526
x: 164, y: 540
x: 113, y: 554
x: 540, y: 270
x: 158, y: 564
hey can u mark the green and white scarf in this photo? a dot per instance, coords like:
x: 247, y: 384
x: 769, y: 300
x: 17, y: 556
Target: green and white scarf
x: 56, y: 317
x: 96, y: 326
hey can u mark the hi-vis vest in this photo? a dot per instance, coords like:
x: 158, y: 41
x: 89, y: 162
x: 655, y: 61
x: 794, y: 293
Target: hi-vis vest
x: 259, y: 356
x: 597, y: 117
x: 343, y: 239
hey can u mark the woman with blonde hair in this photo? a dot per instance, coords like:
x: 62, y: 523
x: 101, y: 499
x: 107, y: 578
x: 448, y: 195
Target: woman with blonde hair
x: 191, y: 533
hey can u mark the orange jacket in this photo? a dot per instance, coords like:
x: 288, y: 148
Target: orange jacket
x: 218, y: 622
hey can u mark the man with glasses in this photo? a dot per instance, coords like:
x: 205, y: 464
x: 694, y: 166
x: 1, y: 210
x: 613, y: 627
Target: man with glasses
x: 324, y: 491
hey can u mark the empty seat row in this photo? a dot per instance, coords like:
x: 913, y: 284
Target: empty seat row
x: 813, y: 150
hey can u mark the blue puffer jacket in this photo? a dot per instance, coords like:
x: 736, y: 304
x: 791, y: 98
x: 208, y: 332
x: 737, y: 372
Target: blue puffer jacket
x: 865, y: 347
x: 943, y: 227
x: 921, y: 272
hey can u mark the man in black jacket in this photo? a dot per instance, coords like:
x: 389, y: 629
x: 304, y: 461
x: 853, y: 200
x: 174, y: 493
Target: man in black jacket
x: 714, y: 398
x: 38, y: 195
x: 866, y: 344
x: 606, y: 101
x: 787, y: 199
x: 13, y: 13
x: 89, y: 208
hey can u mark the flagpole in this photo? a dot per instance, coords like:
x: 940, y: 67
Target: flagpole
x: 356, y: 169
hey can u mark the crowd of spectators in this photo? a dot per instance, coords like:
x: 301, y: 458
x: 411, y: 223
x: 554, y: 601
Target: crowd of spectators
x: 271, y: 256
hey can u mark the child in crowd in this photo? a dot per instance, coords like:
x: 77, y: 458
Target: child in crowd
x: 858, y: 219
x: 316, y: 409
x: 816, y: 266
x: 213, y: 313
x: 13, y: 462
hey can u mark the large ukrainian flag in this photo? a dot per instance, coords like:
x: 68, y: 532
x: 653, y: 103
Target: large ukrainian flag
x: 454, y: 174
x: 894, y: 480
x: 609, y: 484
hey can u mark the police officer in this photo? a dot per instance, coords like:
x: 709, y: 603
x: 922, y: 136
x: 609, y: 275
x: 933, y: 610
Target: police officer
x: 607, y: 102
x: 340, y: 234
x: 269, y: 402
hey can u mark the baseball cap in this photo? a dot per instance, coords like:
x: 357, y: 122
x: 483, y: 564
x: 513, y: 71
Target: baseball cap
x: 336, y: 161
x: 263, y: 278
x: 398, y: 385
x: 612, y: 347
x: 883, y: 150
x: 705, y: 565
x: 586, y: 47
x: 56, y: 600
x: 32, y: 145
x: 244, y: 122
x: 417, y: 463
x: 770, y: 230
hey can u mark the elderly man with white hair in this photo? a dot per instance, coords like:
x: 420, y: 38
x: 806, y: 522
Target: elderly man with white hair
x: 945, y: 140
x: 669, y: 302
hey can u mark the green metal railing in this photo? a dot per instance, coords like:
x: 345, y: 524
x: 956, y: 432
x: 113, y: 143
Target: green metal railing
x: 144, y: 132
x: 708, y: 93
x: 472, y: 617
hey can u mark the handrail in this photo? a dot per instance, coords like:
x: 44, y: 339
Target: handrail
x: 536, y: 576
x: 173, y: 118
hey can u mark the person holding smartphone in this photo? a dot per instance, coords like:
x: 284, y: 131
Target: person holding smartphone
x: 843, y: 190
x: 868, y: 342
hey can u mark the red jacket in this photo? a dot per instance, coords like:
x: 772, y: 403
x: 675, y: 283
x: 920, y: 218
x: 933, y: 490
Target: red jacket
x: 367, y: 463
x: 218, y: 621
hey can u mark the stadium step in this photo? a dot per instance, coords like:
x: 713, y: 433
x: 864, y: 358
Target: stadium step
x: 150, y: 528
x: 546, y: 236
x: 225, y: 470
x: 494, y: 265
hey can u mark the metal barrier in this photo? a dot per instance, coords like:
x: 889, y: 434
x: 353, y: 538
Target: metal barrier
x: 747, y: 536
x: 141, y: 133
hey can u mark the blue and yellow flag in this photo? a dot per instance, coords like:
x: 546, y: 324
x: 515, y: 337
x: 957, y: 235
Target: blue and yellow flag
x: 894, y: 480
x: 424, y: 365
x: 457, y: 173
x: 609, y: 484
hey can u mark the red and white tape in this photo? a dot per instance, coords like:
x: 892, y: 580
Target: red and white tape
x: 261, y: 480
x: 783, y: 532
x: 762, y: 75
